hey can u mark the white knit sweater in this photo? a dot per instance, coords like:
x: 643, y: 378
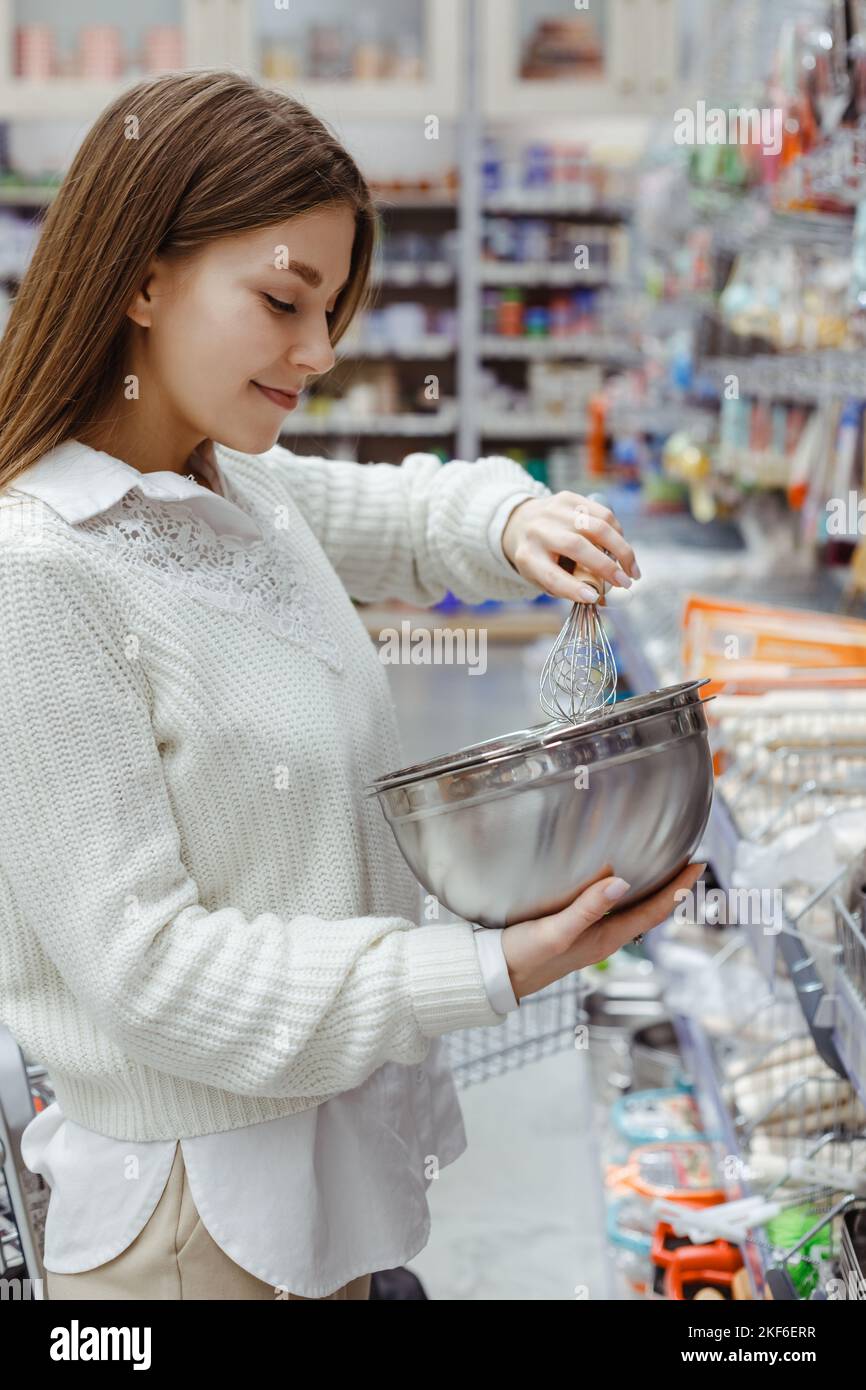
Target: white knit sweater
x: 203, y: 924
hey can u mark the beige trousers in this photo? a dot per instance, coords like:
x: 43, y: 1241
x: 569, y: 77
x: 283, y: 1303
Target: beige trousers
x: 174, y: 1256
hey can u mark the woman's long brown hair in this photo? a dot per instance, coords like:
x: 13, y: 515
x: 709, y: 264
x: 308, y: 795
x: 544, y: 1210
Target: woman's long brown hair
x: 173, y: 163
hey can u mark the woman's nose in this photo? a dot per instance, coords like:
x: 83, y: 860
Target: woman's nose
x: 317, y: 354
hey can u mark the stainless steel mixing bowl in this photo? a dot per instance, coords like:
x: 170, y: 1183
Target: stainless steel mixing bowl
x: 623, y: 712
x: 519, y: 835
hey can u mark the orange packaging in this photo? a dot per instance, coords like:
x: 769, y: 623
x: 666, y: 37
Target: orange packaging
x: 755, y: 646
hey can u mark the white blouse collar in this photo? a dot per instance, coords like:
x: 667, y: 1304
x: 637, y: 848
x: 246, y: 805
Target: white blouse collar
x: 79, y: 482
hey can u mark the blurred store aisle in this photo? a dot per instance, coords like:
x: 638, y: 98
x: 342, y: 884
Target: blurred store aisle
x: 517, y: 1216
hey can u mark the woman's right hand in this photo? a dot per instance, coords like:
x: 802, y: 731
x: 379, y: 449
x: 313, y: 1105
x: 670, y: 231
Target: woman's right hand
x: 545, y: 949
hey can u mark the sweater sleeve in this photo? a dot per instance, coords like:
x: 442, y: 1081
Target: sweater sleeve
x: 411, y: 531
x: 90, y: 856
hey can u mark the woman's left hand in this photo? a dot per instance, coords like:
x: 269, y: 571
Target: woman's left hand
x: 540, y: 529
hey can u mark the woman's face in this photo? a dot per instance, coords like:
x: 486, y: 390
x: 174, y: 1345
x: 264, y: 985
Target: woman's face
x: 247, y: 314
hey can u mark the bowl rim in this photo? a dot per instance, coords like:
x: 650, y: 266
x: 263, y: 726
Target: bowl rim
x: 541, y: 736
x: 441, y: 802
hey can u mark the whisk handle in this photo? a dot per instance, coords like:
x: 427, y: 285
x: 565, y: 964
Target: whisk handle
x: 583, y: 576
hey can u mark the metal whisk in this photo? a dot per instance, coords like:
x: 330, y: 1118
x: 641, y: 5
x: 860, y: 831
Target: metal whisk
x: 579, y: 676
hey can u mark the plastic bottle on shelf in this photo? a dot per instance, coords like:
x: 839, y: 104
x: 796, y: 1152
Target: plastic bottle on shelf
x: 490, y: 312
x: 537, y: 321
x: 100, y: 51
x: 368, y: 60
x: 583, y: 311
x: 511, y: 313
x: 36, y: 52
x: 560, y: 316
x: 491, y: 166
x: 596, y: 436
x: 538, y: 166
x: 407, y: 64
x: 500, y: 238
x: 537, y: 468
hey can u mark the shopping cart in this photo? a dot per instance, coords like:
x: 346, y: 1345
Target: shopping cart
x: 544, y: 1024
x: 23, y: 1194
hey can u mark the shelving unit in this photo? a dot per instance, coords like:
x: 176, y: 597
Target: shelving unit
x: 286, y: 49
x: 837, y: 1020
x: 629, y: 49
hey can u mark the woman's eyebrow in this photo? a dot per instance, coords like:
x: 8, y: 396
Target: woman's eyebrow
x: 307, y: 273
x: 310, y: 275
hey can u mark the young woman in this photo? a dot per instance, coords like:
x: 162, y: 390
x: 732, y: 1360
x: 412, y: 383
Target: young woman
x: 208, y: 935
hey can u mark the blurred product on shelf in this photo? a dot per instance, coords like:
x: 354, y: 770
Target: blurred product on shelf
x: 554, y: 390
x: 794, y: 298
x: 561, y: 172
x: 423, y: 189
x: 358, y: 49
x: 506, y: 314
x: 374, y: 389
x: 163, y: 48
x: 401, y: 326
x: 420, y: 248
x: 555, y: 244
x: 753, y: 647
x: 36, y: 52
x: 560, y: 49
x: 99, y: 52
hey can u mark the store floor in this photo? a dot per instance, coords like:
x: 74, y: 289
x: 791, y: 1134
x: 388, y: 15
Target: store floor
x: 519, y: 1215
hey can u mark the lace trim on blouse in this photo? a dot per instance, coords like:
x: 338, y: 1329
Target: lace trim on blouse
x: 262, y: 579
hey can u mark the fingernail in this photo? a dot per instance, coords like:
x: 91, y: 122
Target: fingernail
x: 615, y: 889
x: 586, y: 593
x: 635, y: 569
x: 622, y: 578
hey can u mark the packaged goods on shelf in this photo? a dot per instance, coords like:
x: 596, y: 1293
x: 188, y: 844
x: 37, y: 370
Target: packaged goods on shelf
x: 506, y: 314
x: 554, y: 242
x: 563, y: 48
x: 355, y: 50
x: 756, y: 646
x: 98, y: 52
x: 551, y: 174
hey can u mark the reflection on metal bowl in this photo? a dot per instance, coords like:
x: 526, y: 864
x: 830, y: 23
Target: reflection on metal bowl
x: 522, y: 834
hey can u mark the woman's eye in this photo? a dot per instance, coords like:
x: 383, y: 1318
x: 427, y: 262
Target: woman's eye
x: 280, y: 305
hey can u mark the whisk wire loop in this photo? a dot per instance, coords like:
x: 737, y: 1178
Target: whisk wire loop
x: 579, y: 676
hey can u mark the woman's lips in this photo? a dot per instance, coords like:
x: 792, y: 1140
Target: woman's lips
x: 286, y: 400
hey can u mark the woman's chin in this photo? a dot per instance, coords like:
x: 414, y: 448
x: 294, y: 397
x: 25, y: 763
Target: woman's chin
x: 254, y: 439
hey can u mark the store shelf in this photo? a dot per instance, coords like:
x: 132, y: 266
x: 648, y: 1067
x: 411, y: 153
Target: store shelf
x: 408, y: 275
x: 443, y: 422
x: 512, y: 624
x: 555, y: 200
x: 27, y: 195
x: 850, y: 1032
x: 700, y: 1064
x: 414, y: 199
x: 589, y: 346
x: 840, y: 1045
x: 59, y: 98
x: 523, y: 425
x: 432, y: 346
x: 545, y: 273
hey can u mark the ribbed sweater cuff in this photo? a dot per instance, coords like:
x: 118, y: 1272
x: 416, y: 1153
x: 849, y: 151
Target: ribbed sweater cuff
x: 476, y: 515
x: 446, y: 981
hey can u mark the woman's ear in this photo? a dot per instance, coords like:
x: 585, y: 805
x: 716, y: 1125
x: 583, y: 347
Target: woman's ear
x: 141, y: 308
